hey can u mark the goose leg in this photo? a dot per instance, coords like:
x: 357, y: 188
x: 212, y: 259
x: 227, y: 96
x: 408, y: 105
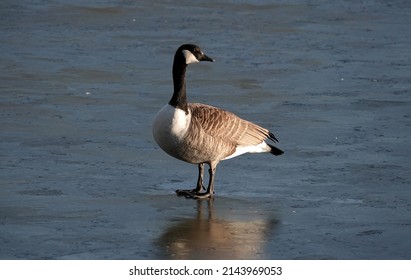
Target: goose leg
x: 210, y: 190
x: 200, y: 185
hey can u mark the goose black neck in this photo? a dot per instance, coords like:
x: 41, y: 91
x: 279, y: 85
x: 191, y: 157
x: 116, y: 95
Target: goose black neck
x: 179, y: 98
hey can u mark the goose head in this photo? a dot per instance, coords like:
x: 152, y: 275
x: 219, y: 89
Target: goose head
x: 191, y: 53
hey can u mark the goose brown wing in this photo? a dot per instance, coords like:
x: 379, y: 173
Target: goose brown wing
x: 227, y: 126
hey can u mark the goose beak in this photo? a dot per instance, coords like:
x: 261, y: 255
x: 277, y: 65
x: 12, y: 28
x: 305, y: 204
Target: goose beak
x: 206, y: 58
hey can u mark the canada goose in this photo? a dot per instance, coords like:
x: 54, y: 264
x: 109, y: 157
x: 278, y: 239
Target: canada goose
x: 198, y: 133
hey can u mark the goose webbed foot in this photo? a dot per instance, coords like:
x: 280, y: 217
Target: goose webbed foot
x: 199, y: 192
x: 205, y: 195
x: 194, y: 194
x: 186, y: 192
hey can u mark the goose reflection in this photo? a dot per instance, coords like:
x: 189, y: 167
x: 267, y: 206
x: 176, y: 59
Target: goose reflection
x: 215, y: 234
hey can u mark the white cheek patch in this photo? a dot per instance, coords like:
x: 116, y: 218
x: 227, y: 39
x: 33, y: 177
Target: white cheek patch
x: 189, y: 56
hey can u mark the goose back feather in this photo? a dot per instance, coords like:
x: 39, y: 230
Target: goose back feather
x: 229, y: 130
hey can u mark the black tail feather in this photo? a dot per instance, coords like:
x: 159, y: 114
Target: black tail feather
x: 275, y: 151
x: 271, y: 136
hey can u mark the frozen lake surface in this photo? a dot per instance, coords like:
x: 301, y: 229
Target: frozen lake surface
x: 82, y: 178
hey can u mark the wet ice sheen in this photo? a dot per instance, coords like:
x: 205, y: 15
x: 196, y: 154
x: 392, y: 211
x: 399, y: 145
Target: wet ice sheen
x: 83, y: 179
